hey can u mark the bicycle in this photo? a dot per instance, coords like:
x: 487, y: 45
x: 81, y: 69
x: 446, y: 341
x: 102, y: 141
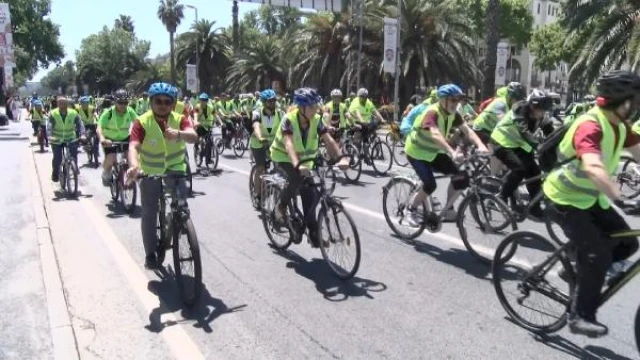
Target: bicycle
x: 68, y: 173
x: 189, y: 174
x: 268, y: 169
x: 174, y: 220
x: 629, y: 177
x: 200, y: 153
x: 236, y: 140
x: 541, y: 277
x: 396, y: 142
x: 371, y: 150
x: 40, y: 136
x: 91, y: 146
x: 281, y: 237
x: 122, y: 191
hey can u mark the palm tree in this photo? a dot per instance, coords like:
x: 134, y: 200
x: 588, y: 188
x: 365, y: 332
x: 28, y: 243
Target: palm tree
x: 608, y: 33
x: 258, y: 66
x: 125, y: 22
x: 171, y: 13
x: 213, y: 60
x: 493, y: 37
x: 234, y: 15
x: 142, y: 79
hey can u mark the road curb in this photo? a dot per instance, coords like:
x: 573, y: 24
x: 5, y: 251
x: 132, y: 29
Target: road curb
x: 63, y: 336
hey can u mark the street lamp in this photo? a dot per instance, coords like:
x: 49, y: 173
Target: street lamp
x: 197, y: 48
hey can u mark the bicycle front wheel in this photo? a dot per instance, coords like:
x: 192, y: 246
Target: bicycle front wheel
x: 399, y: 157
x: 355, y: 163
x: 279, y: 234
x: 187, y: 262
x: 381, y: 157
x: 339, y: 240
x: 238, y: 147
x: 530, y: 290
x: 219, y: 144
x: 253, y: 193
x: 128, y: 192
x: 629, y: 178
x: 396, y: 198
x: 198, y: 154
x: 72, y: 179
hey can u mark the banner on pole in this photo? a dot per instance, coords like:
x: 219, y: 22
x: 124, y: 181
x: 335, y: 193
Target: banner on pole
x: 501, y: 63
x: 390, y: 45
x: 192, y: 82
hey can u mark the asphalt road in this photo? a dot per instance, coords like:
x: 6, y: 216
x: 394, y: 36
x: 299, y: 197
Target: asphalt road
x: 426, y: 299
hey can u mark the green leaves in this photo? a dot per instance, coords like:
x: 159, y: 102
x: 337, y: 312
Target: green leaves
x: 547, y: 44
x: 514, y: 16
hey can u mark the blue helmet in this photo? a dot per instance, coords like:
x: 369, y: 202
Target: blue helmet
x: 267, y: 94
x: 449, y: 90
x: 306, y: 97
x: 204, y: 97
x: 162, y: 88
x: 84, y: 100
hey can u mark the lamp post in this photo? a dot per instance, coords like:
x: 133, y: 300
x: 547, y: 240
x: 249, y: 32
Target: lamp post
x: 197, y: 49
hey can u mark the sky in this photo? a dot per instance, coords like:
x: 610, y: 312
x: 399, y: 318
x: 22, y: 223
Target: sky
x: 79, y: 19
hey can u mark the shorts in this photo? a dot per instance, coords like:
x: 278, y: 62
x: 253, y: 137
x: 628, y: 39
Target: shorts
x: 260, y: 156
x: 112, y: 150
x: 442, y: 164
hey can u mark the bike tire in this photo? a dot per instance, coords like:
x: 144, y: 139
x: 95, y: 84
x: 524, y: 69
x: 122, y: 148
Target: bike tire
x: 214, y: 156
x: 62, y: 175
x: 501, y: 276
x: 387, y: 213
x: 252, y: 189
x: 355, y: 163
x: 637, y: 328
x: 161, y: 247
x: 380, y: 154
x: 72, y: 180
x: 114, y: 187
x: 330, y: 180
x: 483, y: 253
x: 197, y: 153
x: 628, y: 161
x: 219, y: 144
x: 190, y: 287
x: 128, y: 201
x: 324, y: 222
x: 238, y: 147
x: 271, y: 196
x: 398, y: 156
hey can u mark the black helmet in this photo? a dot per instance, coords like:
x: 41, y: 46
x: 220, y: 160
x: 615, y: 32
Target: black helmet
x: 121, y: 94
x: 540, y: 99
x: 618, y: 85
x: 515, y: 91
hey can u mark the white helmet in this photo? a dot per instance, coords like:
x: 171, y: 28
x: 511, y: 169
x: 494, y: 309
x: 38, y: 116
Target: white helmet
x: 363, y: 92
x: 336, y: 92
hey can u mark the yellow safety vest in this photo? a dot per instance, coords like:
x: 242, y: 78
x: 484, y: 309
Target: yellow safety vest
x: 570, y: 185
x: 487, y: 120
x: 117, y: 125
x: 366, y: 110
x: 37, y: 115
x: 342, y: 108
x: 64, y: 130
x: 507, y: 135
x: 87, y: 117
x: 277, y: 116
x: 206, y: 121
x: 179, y: 108
x: 304, y: 151
x: 420, y: 144
x: 157, y: 155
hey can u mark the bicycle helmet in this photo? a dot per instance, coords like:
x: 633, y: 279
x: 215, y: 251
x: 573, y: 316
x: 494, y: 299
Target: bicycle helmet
x: 516, y: 91
x: 306, y: 97
x: 162, y: 88
x: 540, y: 100
x: 84, y: 100
x: 37, y: 103
x: 618, y: 85
x: 449, y: 90
x: 362, y: 92
x: 267, y: 95
x: 203, y: 97
x: 336, y: 92
x: 589, y: 98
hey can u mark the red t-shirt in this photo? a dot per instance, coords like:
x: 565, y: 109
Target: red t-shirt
x: 137, y: 131
x: 588, y: 136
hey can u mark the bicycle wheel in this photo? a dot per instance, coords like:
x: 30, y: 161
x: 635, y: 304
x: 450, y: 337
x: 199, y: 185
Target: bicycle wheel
x: 238, y: 147
x: 520, y: 283
x: 214, y: 157
x: 253, y: 193
x: 341, y: 239
x: 489, y: 222
x: 187, y: 263
x: 128, y: 193
x: 114, y: 186
x: 62, y: 175
x: 280, y: 237
x: 355, y: 163
x: 72, y: 179
x: 554, y: 230
x: 330, y: 179
x: 399, y: 157
x: 161, y: 247
x: 396, y: 197
x: 629, y: 177
x: 198, y: 152
x: 219, y: 144
x: 637, y: 328
x: 381, y: 157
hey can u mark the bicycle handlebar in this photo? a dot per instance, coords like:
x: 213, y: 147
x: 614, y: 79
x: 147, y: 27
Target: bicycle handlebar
x: 315, y: 160
x: 161, y: 177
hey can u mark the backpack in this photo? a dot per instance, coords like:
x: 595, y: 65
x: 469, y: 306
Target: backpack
x: 407, y: 122
x: 484, y: 104
x: 548, y: 149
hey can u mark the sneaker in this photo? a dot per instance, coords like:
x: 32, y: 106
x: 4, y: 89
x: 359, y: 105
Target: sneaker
x: 449, y: 215
x: 592, y: 329
x: 106, y: 179
x: 150, y: 262
x: 412, y: 218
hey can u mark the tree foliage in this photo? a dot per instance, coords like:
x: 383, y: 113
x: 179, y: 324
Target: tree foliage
x: 547, y: 45
x: 171, y: 13
x: 62, y: 77
x: 516, y: 21
x: 125, y: 23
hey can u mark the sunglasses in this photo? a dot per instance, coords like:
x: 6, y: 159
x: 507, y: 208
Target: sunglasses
x: 165, y: 102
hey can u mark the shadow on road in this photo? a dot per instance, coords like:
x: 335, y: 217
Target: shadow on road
x: 331, y: 287
x: 116, y: 210
x: 61, y: 195
x: 201, y: 315
x: 589, y: 352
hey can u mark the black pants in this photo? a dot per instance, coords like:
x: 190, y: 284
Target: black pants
x: 205, y: 133
x: 308, y: 195
x: 589, y: 230
x: 523, y: 166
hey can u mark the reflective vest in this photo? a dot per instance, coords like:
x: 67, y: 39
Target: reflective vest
x: 341, y: 110
x: 636, y: 127
x: 420, y: 144
x: 487, y: 120
x: 205, y: 120
x: 64, y: 130
x: 87, y: 117
x: 271, y: 135
x: 142, y: 106
x: 226, y: 107
x: 507, y: 135
x: 179, y: 108
x: 37, y: 115
x: 157, y: 155
x: 366, y: 110
x: 304, y: 151
x: 570, y: 185
x: 116, y: 126
x: 248, y: 106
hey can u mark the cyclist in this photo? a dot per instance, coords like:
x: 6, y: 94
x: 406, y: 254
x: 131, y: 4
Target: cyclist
x: 106, y: 104
x: 415, y: 100
x: 114, y: 125
x: 580, y: 191
x: 64, y: 126
x: 266, y: 121
x: 514, y: 143
x: 157, y: 147
x: 433, y: 97
x: 335, y: 115
x: 466, y: 110
x: 88, y: 116
x: 362, y: 112
x: 497, y: 108
x: 226, y: 115
x: 427, y: 147
x: 142, y: 106
x: 297, y: 139
x: 204, y: 122
x: 37, y: 120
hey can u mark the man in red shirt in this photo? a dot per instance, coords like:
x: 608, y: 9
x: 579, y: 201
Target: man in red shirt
x: 145, y: 141
x: 579, y: 194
